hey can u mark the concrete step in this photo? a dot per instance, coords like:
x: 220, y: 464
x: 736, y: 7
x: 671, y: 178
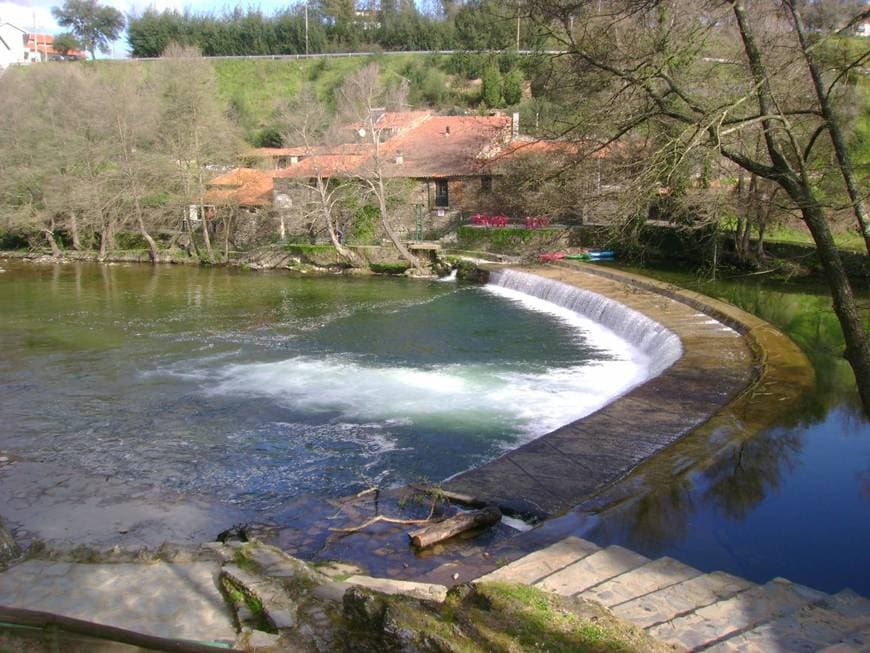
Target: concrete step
x: 535, y: 566
x: 426, y: 591
x: 592, y: 570
x: 812, y: 628
x: 638, y: 582
x: 680, y: 599
x: 744, y: 611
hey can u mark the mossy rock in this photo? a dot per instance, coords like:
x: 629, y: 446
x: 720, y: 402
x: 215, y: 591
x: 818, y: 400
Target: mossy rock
x: 488, y: 617
x: 389, y: 268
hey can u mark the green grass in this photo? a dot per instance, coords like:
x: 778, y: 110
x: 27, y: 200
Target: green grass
x: 843, y: 239
x: 257, y: 88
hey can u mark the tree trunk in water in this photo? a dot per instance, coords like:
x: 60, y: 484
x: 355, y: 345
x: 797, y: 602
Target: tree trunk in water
x: 799, y: 188
x: 103, y: 247
x: 206, y: 239
x: 228, y: 220
x: 400, y: 247
x: 152, y: 246
x: 190, y: 235
x: 107, y: 239
x: 49, y: 236
x: 857, y: 345
x: 110, y: 236
x: 833, y: 128
x: 759, y: 244
x: 74, y: 231
x: 464, y: 521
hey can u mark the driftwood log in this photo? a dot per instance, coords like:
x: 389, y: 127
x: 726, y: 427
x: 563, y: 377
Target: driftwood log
x: 464, y: 521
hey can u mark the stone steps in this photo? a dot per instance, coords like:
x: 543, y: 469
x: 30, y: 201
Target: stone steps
x: 694, y: 611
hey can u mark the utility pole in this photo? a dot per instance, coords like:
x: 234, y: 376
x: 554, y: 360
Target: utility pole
x: 306, y: 27
x: 518, y: 32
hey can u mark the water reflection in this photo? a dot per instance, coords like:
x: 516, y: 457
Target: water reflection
x: 761, y: 492
x: 744, y: 475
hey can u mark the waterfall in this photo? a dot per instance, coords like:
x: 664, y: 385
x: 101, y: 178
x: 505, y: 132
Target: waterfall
x: 661, y: 345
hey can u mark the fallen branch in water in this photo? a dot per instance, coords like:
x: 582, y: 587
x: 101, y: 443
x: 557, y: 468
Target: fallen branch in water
x: 389, y: 520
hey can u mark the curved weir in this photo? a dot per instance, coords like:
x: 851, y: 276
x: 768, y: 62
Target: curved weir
x: 661, y: 345
x: 698, y: 363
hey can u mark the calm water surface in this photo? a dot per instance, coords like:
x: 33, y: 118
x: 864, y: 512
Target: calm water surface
x: 250, y: 388
x: 794, y: 500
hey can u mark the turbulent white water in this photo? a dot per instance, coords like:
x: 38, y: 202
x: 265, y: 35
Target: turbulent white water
x: 662, y: 346
x: 468, y: 396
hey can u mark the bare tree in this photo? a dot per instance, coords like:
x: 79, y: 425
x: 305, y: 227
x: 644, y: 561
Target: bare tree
x: 361, y: 101
x: 132, y: 110
x: 307, y: 124
x: 194, y: 126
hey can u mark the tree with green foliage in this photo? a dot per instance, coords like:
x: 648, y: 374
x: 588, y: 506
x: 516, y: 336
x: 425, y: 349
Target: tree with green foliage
x: 485, y: 25
x: 94, y: 25
x: 65, y: 43
x: 512, y: 90
x: 491, y: 85
x: 720, y: 79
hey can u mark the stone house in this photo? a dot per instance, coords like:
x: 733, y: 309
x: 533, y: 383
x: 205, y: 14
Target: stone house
x: 451, y: 164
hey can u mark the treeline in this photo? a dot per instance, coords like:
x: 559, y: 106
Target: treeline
x: 93, y: 153
x: 333, y: 26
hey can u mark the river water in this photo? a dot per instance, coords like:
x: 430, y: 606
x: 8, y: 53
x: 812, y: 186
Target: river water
x: 253, y: 388
x: 246, y: 389
x: 793, y: 500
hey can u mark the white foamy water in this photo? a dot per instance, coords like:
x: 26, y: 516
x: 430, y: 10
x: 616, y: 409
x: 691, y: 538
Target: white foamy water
x: 456, y: 395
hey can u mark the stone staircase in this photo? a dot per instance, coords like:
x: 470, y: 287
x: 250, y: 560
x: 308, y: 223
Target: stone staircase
x: 695, y: 611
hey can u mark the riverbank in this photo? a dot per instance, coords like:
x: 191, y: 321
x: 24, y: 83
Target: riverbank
x: 292, y: 257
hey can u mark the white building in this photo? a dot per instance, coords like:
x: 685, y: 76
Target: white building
x: 13, y: 45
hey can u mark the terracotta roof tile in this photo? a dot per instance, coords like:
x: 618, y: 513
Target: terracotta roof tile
x: 242, y: 186
x: 445, y: 146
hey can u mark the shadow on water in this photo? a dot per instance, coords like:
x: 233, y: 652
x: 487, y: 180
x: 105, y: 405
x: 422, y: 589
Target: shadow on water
x: 757, y: 492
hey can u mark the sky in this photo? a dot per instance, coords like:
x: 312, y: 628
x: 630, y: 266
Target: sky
x: 29, y: 13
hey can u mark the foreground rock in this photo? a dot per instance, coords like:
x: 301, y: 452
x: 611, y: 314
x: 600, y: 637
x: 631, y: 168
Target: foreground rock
x: 256, y: 598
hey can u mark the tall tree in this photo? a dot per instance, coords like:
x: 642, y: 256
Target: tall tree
x: 831, y: 123
x: 307, y: 123
x: 709, y: 76
x: 362, y: 99
x: 95, y: 26
x: 194, y: 128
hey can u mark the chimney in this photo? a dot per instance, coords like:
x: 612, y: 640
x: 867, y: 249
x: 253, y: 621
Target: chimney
x: 447, y: 131
x: 515, y: 125
x: 400, y: 158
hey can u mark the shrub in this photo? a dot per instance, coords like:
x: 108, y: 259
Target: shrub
x: 492, y: 84
x: 513, y: 87
x: 389, y: 268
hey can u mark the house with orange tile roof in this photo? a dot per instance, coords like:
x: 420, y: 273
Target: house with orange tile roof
x: 41, y: 48
x: 450, y: 160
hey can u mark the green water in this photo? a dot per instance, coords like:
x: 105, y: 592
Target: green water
x: 252, y: 388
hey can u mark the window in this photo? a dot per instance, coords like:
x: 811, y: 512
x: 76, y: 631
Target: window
x: 442, y: 198
x: 486, y: 184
